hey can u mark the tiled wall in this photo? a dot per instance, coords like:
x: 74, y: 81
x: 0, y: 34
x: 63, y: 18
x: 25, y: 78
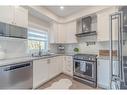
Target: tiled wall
x: 91, y: 49
x: 88, y: 49
x: 13, y: 47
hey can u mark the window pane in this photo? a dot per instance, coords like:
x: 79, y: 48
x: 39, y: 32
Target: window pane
x: 37, y: 40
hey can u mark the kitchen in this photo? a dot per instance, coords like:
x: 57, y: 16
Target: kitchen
x: 62, y: 47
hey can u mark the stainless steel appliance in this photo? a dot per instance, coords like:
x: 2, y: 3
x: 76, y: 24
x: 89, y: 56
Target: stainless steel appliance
x: 8, y: 30
x: 119, y: 69
x: 16, y: 76
x: 85, y: 69
x: 86, y: 26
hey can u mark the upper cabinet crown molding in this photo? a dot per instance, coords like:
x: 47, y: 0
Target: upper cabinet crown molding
x: 45, y: 12
x: 14, y: 15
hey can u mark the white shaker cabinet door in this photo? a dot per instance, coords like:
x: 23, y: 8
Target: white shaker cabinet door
x: 70, y: 32
x: 60, y: 64
x: 6, y: 14
x: 54, y: 33
x: 68, y: 65
x: 53, y: 67
x: 21, y: 17
x: 103, y: 73
x: 40, y: 72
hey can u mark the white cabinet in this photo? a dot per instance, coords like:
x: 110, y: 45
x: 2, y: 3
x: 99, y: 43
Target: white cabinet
x: 6, y: 14
x: 103, y: 24
x: 60, y: 60
x: 103, y: 73
x: 68, y: 65
x: 53, y: 33
x: 53, y: 67
x: 46, y: 69
x: 57, y: 33
x: 70, y: 32
x: 63, y: 33
x: 14, y: 15
x: 21, y: 17
x: 40, y: 72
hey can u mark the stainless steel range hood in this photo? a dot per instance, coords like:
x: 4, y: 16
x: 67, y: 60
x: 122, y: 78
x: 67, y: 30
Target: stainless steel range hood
x: 84, y: 34
x: 86, y: 29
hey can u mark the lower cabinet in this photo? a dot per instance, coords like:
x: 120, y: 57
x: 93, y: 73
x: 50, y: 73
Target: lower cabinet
x: 40, y: 72
x: 68, y: 65
x: 103, y: 73
x: 46, y: 69
x: 60, y: 60
x: 53, y: 67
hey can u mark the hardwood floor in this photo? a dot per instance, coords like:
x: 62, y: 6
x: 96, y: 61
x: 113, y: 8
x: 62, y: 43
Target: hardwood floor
x: 75, y: 84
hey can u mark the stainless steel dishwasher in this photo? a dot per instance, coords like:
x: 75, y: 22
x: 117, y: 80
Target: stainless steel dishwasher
x: 17, y: 76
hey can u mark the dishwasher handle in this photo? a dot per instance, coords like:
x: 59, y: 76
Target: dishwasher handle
x: 11, y: 68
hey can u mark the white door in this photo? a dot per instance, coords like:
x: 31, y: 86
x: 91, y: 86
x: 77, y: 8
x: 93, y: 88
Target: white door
x: 6, y: 14
x: 40, y: 72
x: 60, y: 64
x: 54, y: 33
x: 61, y: 33
x: 103, y: 73
x: 21, y: 17
x: 68, y: 65
x: 53, y: 68
x: 70, y: 32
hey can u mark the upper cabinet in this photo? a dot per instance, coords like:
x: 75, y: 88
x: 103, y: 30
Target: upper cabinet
x: 103, y: 24
x: 70, y: 32
x: 63, y: 33
x: 14, y: 15
x: 6, y: 14
x: 21, y: 17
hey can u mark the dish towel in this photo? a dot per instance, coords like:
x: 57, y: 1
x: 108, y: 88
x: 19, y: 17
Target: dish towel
x: 83, y: 66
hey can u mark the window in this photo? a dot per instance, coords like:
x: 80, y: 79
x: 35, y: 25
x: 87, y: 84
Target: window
x: 37, y: 39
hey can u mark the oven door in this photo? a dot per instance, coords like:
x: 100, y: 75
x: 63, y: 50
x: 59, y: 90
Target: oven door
x: 85, y: 69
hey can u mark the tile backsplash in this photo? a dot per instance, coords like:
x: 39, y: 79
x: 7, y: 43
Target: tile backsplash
x: 84, y: 48
x: 13, y: 47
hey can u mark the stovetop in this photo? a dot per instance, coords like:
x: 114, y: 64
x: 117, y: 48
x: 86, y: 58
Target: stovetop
x: 90, y: 57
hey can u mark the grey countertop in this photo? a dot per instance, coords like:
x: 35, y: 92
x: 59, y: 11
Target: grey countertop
x: 24, y: 59
x: 106, y: 58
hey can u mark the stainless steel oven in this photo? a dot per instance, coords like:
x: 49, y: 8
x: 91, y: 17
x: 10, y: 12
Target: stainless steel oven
x: 85, y: 69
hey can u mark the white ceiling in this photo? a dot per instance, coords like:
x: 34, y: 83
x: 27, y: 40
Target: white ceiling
x: 68, y: 10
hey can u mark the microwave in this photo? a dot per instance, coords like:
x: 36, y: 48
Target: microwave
x: 8, y: 30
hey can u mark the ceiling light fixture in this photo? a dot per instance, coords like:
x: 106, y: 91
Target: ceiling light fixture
x: 62, y: 7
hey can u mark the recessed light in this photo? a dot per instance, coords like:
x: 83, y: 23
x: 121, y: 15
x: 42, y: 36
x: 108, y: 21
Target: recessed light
x: 62, y: 7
